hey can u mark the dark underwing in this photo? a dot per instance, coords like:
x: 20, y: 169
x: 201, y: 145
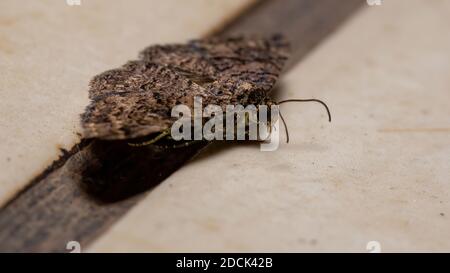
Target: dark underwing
x: 136, y: 100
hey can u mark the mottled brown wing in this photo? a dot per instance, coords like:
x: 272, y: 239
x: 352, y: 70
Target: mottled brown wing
x: 136, y: 100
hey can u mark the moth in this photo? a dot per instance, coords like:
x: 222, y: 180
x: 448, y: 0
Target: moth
x: 135, y: 101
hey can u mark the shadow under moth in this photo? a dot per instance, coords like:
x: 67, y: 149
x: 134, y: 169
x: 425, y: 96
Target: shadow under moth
x: 134, y: 102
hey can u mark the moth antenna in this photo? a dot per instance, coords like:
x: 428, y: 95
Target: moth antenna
x: 285, y: 127
x: 183, y: 145
x: 309, y: 100
x: 151, y: 141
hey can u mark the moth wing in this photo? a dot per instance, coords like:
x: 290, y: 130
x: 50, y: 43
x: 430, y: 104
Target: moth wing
x: 135, y: 101
x: 234, y: 70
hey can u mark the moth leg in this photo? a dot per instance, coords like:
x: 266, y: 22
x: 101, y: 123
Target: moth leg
x: 151, y: 141
x: 186, y: 144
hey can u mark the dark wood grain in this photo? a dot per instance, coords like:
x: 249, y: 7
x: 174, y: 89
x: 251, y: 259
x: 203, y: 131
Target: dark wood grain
x: 304, y: 22
x: 84, y: 193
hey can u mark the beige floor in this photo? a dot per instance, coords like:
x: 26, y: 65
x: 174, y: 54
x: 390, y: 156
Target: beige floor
x: 50, y: 50
x: 379, y: 172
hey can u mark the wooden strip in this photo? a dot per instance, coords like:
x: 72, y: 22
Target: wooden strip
x: 74, y: 201
x: 306, y: 23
